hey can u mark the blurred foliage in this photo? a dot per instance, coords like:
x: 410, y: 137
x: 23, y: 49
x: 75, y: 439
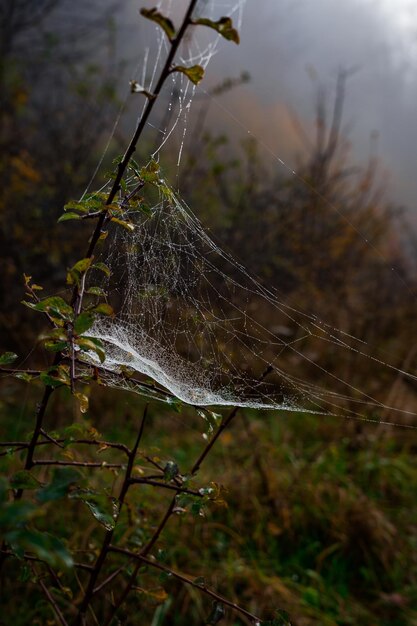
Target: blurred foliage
x: 58, y: 93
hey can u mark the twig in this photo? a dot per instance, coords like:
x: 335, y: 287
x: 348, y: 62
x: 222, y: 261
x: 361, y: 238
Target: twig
x: 22, y: 445
x: 155, y: 483
x: 185, y: 579
x: 103, y: 464
x: 50, y: 598
x: 109, y: 534
x: 51, y: 439
x: 93, y: 615
x: 30, y: 557
x: 10, y: 370
x: 108, y: 580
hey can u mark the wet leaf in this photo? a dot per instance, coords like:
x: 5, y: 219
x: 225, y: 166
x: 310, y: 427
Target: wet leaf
x: 195, y: 73
x: 65, y: 217
x: 82, y: 265
x: 57, y: 308
x: 24, y: 376
x: 128, y: 225
x: 96, y: 291
x: 170, y: 470
x: 8, y: 357
x: 91, y: 344
x: 223, y: 26
x: 73, y: 205
x: 103, y: 268
x: 83, y: 322
x: 98, y: 506
x: 56, y: 376
x: 164, y: 22
x: 104, y: 309
x: 83, y: 401
x: 63, y: 479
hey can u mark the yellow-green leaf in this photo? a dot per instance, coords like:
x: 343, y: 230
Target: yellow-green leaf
x: 164, y: 22
x: 195, y: 73
x: 223, y: 26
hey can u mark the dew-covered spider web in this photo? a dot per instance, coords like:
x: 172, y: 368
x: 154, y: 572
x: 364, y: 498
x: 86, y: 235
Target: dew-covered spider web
x: 196, y: 323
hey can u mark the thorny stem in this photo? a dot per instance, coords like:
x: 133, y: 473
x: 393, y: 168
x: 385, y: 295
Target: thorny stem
x: 185, y: 579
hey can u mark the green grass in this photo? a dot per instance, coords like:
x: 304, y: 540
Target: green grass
x: 319, y: 516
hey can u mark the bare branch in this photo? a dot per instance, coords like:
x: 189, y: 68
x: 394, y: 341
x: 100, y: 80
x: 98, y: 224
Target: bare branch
x: 187, y: 580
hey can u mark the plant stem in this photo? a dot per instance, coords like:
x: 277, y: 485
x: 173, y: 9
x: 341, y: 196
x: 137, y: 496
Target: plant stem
x: 187, y: 580
x: 109, y: 534
x: 50, y: 599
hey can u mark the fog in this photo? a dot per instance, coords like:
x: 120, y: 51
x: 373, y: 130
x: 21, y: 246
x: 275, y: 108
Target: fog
x: 290, y: 47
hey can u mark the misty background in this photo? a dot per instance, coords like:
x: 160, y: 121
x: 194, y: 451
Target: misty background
x: 291, y: 48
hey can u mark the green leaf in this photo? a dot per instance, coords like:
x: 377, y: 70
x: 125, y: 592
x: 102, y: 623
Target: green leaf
x: 83, y: 322
x: 55, y: 306
x: 56, y: 376
x: 103, y: 268
x: 128, y: 225
x: 24, y: 480
x: 56, y: 340
x: 164, y: 22
x: 63, y: 479
x: 82, y: 207
x: 96, y: 291
x: 91, y: 344
x: 150, y: 173
x: 76, y: 271
x: 82, y: 265
x: 56, y: 346
x: 195, y: 73
x: 104, y: 309
x: 97, y: 504
x: 65, y: 217
x: 24, y: 376
x: 170, y: 470
x: 45, y: 546
x: 223, y: 26
x: 8, y: 357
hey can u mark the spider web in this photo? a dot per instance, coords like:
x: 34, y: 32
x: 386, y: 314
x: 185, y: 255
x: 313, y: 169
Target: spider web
x: 196, y: 322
